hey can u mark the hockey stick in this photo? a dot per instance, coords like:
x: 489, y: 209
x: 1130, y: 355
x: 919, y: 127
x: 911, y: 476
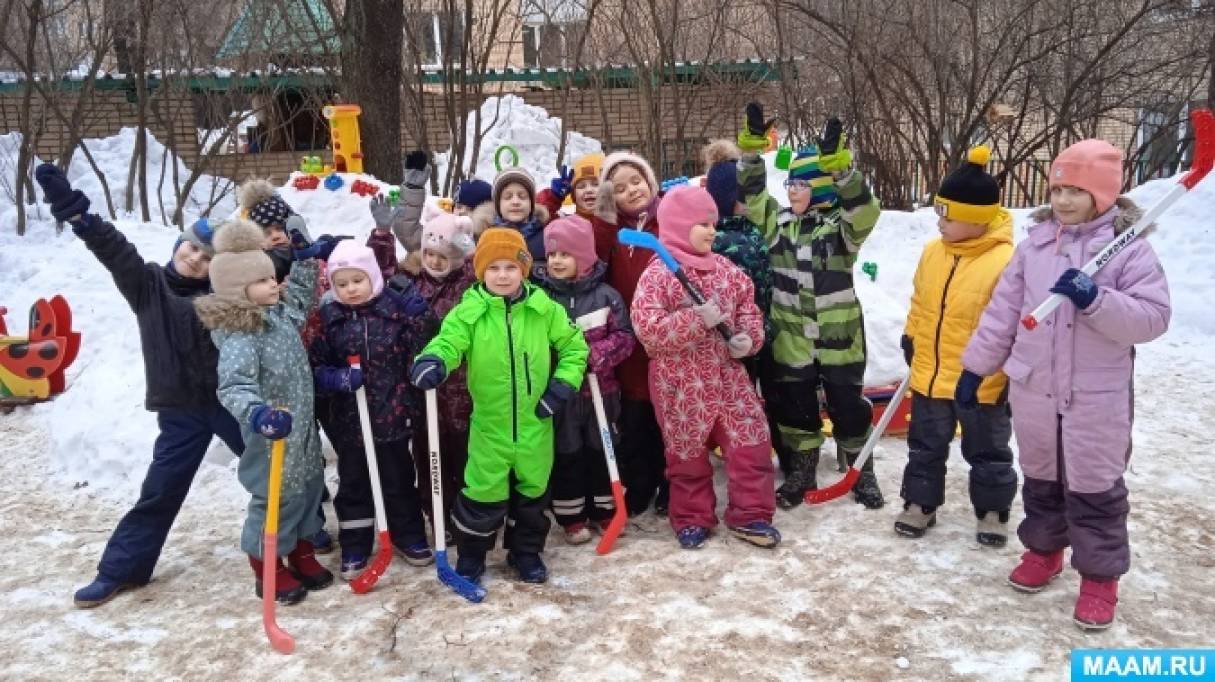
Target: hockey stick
x: 279, y: 639
x: 842, y: 486
x: 366, y: 580
x: 621, y: 516
x: 646, y: 240
x: 1204, y: 158
x: 462, y: 586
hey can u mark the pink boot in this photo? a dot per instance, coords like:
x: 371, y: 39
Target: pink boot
x: 1096, y: 603
x: 1036, y: 571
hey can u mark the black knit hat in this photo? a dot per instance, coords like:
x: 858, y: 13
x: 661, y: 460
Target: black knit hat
x: 722, y: 183
x: 969, y: 194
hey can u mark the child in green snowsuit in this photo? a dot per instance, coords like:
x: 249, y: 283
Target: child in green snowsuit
x: 508, y: 330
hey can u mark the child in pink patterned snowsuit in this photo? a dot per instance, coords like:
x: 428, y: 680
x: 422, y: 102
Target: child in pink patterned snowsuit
x: 700, y: 389
x: 1071, y: 378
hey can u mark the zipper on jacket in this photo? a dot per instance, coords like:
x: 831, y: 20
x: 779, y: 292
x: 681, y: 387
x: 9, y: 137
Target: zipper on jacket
x: 527, y: 372
x: 514, y: 397
x: 936, y: 343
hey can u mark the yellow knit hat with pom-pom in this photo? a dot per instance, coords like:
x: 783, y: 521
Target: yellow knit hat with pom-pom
x: 969, y: 194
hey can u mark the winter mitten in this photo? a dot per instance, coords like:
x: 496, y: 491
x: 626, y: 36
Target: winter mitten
x: 417, y: 169
x: 297, y: 225
x: 416, y: 160
x: 554, y: 398
x: 598, y: 361
x: 428, y: 372
x: 319, y: 249
x: 338, y: 379
x: 834, y: 156
x: 274, y: 424
x: 1077, y: 286
x: 561, y: 185
x: 966, y: 393
x: 710, y: 314
x: 740, y: 345
x: 383, y: 213
x: 908, y: 349
x: 66, y: 203
x: 754, y: 136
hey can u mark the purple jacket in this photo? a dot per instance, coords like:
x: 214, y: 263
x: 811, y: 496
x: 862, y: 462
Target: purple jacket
x: 1073, y: 354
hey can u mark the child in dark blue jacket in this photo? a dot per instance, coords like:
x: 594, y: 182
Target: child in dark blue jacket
x: 179, y: 365
x: 385, y: 327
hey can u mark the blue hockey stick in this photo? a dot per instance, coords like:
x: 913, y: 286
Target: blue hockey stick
x: 462, y: 586
x: 646, y: 240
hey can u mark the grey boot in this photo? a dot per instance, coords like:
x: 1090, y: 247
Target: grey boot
x: 992, y: 530
x: 802, y: 477
x: 865, y: 491
x: 915, y: 521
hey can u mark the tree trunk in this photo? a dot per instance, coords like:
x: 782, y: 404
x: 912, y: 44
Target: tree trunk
x: 371, y: 75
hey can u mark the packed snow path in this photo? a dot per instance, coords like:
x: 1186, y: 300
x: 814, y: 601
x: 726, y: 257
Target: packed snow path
x: 842, y: 598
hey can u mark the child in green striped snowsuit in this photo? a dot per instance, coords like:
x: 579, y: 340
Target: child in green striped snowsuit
x: 817, y: 320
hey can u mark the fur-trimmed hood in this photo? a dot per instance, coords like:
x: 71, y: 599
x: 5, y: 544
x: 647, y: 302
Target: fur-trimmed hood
x: 219, y: 313
x: 482, y: 218
x: 1128, y: 214
x: 719, y: 150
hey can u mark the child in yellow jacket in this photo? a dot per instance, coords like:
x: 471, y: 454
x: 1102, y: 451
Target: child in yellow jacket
x: 953, y: 282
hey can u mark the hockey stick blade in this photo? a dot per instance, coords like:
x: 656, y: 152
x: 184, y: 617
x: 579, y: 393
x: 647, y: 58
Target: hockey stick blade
x: 458, y: 583
x: 282, y: 642
x: 616, y: 525
x: 839, y: 488
x: 378, y: 566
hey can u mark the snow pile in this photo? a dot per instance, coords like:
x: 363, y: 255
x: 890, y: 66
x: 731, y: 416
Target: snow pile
x: 508, y: 120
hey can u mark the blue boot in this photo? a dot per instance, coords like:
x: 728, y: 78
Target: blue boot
x: 322, y: 542
x: 416, y: 554
x: 692, y: 537
x: 757, y: 533
x: 529, y: 565
x: 98, y: 592
x: 471, y: 566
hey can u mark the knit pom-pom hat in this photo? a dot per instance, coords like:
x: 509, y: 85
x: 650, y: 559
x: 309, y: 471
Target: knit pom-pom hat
x: 969, y: 194
x: 239, y: 260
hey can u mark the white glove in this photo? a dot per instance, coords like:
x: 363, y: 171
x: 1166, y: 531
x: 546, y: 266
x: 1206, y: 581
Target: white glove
x: 710, y: 314
x: 740, y: 345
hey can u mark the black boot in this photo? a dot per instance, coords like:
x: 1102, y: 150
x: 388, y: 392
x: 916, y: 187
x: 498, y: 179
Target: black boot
x: 802, y: 477
x: 865, y: 491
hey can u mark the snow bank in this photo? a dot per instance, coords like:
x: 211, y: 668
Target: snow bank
x: 530, y: 130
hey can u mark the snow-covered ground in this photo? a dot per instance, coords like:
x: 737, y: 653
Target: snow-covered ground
x: 842, y: 598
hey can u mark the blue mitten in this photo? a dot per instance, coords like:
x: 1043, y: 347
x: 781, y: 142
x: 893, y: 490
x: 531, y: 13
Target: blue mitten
x: 66, y: 203
x: 428, y: 372
x: 966, y: 393
x: 562, y: 185
x: 272, y: 423
x: 338, y: 379
x: 554, y: 399
x: 1077, y: 286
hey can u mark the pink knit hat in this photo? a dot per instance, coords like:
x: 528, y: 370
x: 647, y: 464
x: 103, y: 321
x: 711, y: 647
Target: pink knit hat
x: 1094, y: 166
x: 678, y: 211
x: 573, y: 234
x: 451, y: 236
x: 351, y: 255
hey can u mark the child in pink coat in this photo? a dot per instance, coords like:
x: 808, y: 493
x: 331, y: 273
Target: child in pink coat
x: 1070, y: 380
x: 700, y: 390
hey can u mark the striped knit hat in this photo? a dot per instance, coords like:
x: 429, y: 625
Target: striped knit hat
x: 805, y: 167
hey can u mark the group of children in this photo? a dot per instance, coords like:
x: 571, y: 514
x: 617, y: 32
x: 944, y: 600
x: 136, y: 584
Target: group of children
x: 504, y: 306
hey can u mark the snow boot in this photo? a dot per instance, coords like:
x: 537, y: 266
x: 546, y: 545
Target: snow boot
x: 915, y: 520
x: 322, y: 542
x: 577, y: 533
x: 1096, y: 603
x: 287, y: 590
x: 1035, y: 571
x: 757, y: 533
x: 600, y: 526
x: 416, y: 554
x: 692, y: 537
x: 353, y: 563
x: 100, y: 591
x: 310, y: 572
x: 530, y: 566
x: 471, y: 565
x: 865, y: 491
x: 992, y: 530
x: 803, y: 474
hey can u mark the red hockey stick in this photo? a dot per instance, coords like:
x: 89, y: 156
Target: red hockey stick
x: 1204, y: 159
x: 383, y: 555
x: 279, y: 638
x: 621, y: 516
x: 842, y: 486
